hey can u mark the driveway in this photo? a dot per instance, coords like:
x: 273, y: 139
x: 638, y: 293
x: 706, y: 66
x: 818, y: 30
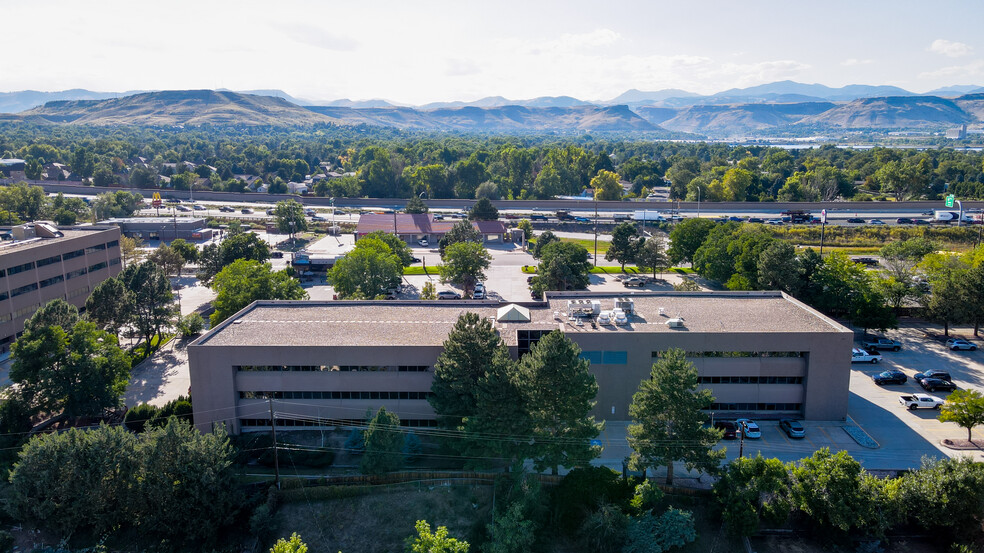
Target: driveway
x: 162, y: 377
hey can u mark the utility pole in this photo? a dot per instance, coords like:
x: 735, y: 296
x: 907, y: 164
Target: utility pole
x: 276, y: 458
x: 596, y: 232
x: 823, y: 226
x: 698, y: 201
x: 741, y: 442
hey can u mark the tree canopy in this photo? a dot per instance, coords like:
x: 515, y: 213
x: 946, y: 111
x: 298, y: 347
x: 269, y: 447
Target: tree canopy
x: 246, y: 281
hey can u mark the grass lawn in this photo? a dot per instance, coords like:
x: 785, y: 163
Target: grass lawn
x: 589, y: 244
x: 432, y: 270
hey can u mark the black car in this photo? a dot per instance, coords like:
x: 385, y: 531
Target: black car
x: 754, y: 220
x: 903, y: 221
x: 730, y: 429
x: 414, y: 259
x: 933, y: 384
x: 276, y: 255
x: 933, y: 373
x: 890, y: 377
x: 920, y: 222
x: 855, y: 221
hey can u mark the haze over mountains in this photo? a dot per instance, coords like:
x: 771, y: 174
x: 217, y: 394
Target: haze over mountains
x: 786, y: 107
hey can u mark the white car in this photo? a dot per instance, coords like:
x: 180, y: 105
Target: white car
x: 448, y: 295
x: 423, y: 242
x: 858, y: 355
x: 957, y: 343
x: 749, y: 428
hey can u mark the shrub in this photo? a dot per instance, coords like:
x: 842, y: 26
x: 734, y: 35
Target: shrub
x: 411, y: 447
x: 6, y: 542
x: 191, y: 325
x: 139, y: 416
x: 604, y: 529
x: 652, y: 534
x: 356, y: 442
x: 647, y: 496
x: 583, y: 490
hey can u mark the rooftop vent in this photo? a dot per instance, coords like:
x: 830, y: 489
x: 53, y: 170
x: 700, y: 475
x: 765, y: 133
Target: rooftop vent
x: 675, y: 323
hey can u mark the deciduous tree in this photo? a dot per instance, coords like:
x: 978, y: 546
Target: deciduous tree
x: 367, y: 271
x: 625, y: 244
x: 289, y: 216
x: 152, y: 298
x: 606, y: 186
x: 686, y: 237
x: 110, y: 305
x: 465, y: 264
x: 246, y: 281
x: 384, y: 444
x: 483, y: 210
x: 964, y: 407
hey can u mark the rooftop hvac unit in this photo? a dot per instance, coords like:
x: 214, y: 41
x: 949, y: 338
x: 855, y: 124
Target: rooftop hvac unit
x: 676, y: 322
x: 625, y: 304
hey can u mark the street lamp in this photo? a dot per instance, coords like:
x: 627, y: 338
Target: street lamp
x: 698, y: 200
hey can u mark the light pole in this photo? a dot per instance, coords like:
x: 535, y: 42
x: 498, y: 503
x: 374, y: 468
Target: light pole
x: 698, y: 201
x: 596, y: 231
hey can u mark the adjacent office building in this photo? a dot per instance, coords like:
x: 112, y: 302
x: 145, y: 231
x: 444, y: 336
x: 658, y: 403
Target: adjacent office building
x: 40, y: 262
x: 414, y: 227
x: 763, y: 354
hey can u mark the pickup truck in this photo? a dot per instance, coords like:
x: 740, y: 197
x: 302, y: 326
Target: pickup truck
x: 915, y: 401
x: 882, y: 343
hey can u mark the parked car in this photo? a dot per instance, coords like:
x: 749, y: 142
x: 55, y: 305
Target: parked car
x: 730, y: 429
x: 934, y: 384
x: 881, y: 343
x: 226, y: 209
x: 478, y: 295
x: 749, y: 428
x: 867, y: 261
x: 958, y: 343
x: 448, y: 295
x: 634, y: 281
x: 855, y: 221
x: 893, y: 376
x: 414, y: 259
x: 924, y: 401
x: 276, y: 254
x: 932, y: 373
x: 859, y: 355
x: 792, y: 428
x: 423, y: 242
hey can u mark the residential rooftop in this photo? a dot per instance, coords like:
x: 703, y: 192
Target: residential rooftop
x: 427, y: 323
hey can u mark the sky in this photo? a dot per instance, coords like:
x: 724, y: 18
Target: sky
x: 419, y: 51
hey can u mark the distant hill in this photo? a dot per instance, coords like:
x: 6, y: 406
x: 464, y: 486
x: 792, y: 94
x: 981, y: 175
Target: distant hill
x: 639, y: 97
x: 16, y: 102
x: 499, y: 101
x: 740, y: 119
x: 893, y: 112
x: 956, y: 90
x: 178, y: 107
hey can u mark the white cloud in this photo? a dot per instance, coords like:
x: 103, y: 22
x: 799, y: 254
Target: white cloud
x: 949, y: 48
x: 460, y: 67
x: 972, y: 69
x: 854, y: 62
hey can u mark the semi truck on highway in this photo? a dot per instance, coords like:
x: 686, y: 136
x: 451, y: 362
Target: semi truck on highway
x: 945, y: 216
x: 648, y: 215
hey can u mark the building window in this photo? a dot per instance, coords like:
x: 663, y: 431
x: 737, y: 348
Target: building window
x: 114, y: 261
x: 49, y: 260
x: 755, y: 407
x: 53, y: 280
x: 413, y: 368
x: 76, y: 293
x: 20, y: 268
x: 750, y: 380
x: 615, y: 358
x: 526, y: 339
x: 113, y: 244
x: 735, y: 354
x: 96, y: 248
x: 23, y: 289
x: 4, y: 295
x: 334, y: 394
x: 97, y: 267
x: 73, y: 255
x: 26, y: 310
x: 75, y: 274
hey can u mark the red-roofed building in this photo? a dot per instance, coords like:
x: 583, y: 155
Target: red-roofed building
x: 414, y: 227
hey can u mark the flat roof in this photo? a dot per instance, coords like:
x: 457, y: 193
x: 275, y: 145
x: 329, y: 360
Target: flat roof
x: 418, y: 223
x: 427, y: 323
x: 67, y: 234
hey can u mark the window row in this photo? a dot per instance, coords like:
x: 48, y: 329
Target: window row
x: 410, y: 423
x: 53, y: 280
x: 26, y: 310
x: 23, y: 289
x: 331, y: 368
x: 755, y: 407
x: 335, y: 394
x: 606, y: 357
x: 736, y: 354
x: 750, y: 380
x: 77, y: 293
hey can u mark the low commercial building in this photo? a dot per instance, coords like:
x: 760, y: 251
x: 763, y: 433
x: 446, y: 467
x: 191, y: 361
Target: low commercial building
x: 763, y: 354
x: 163, y: 228
x: 40, y: 262
x: 414, y: 227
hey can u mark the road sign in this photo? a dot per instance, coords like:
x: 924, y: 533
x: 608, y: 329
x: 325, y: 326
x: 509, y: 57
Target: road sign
x: 823, y: 216
x: 949, y: 200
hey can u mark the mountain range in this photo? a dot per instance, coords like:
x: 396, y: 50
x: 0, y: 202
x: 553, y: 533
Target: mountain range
x: 785, y: 107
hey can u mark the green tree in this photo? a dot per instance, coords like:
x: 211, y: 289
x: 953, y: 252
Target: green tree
x: 548, y: 183
x: 561, y: 396
x: 652, y: 256
x: 289, y: 216
x: 400, y: 248
x: 686, y: 237
x: 778, y: 268
x: 715, y: 258
x: 972, y: 288
x: 943, y: 494
x: 152, y: 298
x: 57, y: 312
x: 428, y: 291
x: 964, y: 407
x: 511, y: 531
x: 527, y: 227
x: 465, y: 264
x: 501, y: 410
x: 110, y: 306
x: 488, y: 190
x: 188, y: 251
x: 668, y: 419
x: 836, y: 492
x: 656, y: 534
x: 434, y: 542
x: 77, y: 371
x: 469, y: 174
x: 462, y: 231
x: 116, y: 204
x: 415, y: 205
x: 243, y: 245
x: 293, y: 545
x: 483, y: 210
x: 948, y: 302
x: 469, y: 351
x: 246, y: 281
x: 26, y: 201
x: 542, y: 241
x: 563, y: 266
x: 606, y: 186
x: 168, y: 259
x: 625, y: 244
x: 384, y: 444
x: 368, y: 270
x: 752, y: 489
